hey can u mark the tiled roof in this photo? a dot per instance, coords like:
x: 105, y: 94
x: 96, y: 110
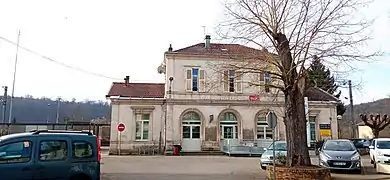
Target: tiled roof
x: 218, y: 49
x: 317, y: 94
x: 137, y: 90
x: 157, y: 90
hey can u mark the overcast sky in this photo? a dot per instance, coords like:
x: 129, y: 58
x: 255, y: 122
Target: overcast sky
x: 118, y: 38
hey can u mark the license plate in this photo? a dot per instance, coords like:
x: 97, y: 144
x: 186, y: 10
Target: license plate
x: 339, y: 163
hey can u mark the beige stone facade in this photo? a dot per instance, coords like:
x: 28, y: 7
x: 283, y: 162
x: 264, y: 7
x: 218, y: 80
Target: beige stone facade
x: 197, y: 109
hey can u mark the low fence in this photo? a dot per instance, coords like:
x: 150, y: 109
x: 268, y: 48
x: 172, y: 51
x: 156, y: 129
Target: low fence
x: 136, y: 148
x: 244, y: 147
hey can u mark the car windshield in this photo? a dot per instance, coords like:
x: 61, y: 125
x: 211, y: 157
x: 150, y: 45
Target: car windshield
x: 279, y: 146
x: 383, y: 145
x: 338, y: 146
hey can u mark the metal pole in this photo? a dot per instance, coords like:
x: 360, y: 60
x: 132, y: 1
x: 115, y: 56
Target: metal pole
x: 58, y: 110
x: 273, y: 152
x: 5, y: 97
x: 48, y: 117
x: 120, y: 142
x: 13, y: 82
x: 352, y: 111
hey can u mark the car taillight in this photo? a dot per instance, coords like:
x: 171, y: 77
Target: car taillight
x: 98, y: 149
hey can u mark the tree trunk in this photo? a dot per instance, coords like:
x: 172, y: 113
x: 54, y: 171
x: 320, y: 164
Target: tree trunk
x: 295, y: 119
x: 296, y: 133
x: 375, y: 132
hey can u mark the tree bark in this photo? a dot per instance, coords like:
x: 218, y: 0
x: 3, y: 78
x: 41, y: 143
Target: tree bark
x: 375, y: 132
x: 296, y: 133
x: 295, y: 121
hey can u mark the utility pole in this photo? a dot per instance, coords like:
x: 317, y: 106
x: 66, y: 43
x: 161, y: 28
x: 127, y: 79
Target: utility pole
x: 58, y: 109
x: 5, y: 96
x: 13, y: 82
x: 352, y: 111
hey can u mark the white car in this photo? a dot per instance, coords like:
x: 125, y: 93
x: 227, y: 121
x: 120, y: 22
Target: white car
x: 380, y: 151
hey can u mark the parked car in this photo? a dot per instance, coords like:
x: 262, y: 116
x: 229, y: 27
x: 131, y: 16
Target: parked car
x: 267, y: 157
x: 380, y: 151
x: 47, y: 154
x: 361, y: 143
x: 340, y: 154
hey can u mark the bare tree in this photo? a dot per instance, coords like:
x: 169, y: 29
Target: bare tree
x: 290, y: 33
x: 377, y: 123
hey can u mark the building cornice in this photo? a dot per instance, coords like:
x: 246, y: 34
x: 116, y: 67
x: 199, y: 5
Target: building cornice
x: 211, y: 102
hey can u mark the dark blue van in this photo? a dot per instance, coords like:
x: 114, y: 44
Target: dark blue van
x: 50, y: 154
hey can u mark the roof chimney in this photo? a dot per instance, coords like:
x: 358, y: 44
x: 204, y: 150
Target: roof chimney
x: 127, y: 78
x: 207, y: 42
x: 170, y: 48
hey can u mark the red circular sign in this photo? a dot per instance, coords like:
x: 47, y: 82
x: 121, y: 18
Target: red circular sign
x: 121, y: 127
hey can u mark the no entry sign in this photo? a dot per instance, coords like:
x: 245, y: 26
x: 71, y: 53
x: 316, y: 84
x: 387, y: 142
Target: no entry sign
x: 121, y: 127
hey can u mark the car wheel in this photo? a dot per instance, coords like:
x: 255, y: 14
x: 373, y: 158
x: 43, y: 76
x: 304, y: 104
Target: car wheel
x: 263, y: 167
x: 80, y: 177
x: 372, y: 162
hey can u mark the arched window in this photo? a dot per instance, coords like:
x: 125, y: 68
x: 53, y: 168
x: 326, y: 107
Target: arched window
x: 263, y: 130
x: 191, y: 125
x: 228, y: 126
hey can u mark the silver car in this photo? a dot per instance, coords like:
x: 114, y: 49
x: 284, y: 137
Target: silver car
x: 267, y: 157
x: 340, y: 154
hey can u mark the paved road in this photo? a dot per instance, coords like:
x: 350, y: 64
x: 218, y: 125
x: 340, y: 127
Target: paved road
x: 177, y: 168
x: 200, y: 168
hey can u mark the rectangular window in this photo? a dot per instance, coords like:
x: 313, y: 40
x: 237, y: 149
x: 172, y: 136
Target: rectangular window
x: 195, y: 73
x: 312, y: 124
x: 195, y: 80
x: 267, y: 80
x: 53, y: 150
x: 261, y: 77
x: 16, y: 152
x: 142, y: 126
x: 231, y: 80
x: 263, y: 131
x: 82, y: 149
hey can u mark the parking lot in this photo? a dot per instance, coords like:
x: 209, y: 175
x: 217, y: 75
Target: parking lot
x: 201, y: 168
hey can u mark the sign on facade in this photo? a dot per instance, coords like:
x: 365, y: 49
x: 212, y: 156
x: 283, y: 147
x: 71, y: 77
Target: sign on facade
x: 325, y: 130
x: 121, y: 127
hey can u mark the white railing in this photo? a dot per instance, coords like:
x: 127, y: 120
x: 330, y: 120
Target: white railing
x: 244, y: 147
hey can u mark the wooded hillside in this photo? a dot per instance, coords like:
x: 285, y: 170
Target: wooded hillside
x: 38, y: 110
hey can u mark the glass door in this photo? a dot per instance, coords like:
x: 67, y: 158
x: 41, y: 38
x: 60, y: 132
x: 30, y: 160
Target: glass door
x: 191, y: 131
x: 229, y: 131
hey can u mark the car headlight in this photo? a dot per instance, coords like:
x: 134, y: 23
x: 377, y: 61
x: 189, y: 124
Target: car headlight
x: 355, y: 157
x: 379, y: 153
x: 265, y: 157
x: 324, y: 156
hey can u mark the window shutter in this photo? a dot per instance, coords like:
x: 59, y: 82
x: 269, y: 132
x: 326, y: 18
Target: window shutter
x: 261, y: 77
x: 238, y: 82
x: 188, y: 78
x: 267, y: 80
x: 225, y: 81
x: 202, y: 81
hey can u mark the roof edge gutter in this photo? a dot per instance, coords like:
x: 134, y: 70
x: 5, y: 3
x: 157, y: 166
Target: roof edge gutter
x: 133, y: 98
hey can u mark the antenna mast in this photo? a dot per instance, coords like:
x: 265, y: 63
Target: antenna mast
x: 13, y: 82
